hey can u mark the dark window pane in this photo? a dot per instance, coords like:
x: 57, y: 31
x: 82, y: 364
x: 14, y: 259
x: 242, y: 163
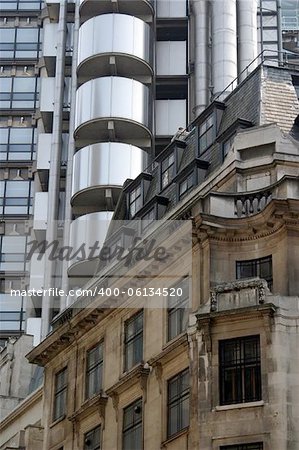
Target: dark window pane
x: 178, y: 403
x: 134, y: 340
x: 240, y: 370
x: 132, y: 426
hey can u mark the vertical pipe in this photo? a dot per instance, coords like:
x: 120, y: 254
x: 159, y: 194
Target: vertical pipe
x: 224, y: 45
x: 279, y: 33
x: 201, y: 36
x: 54, y: 173
x: 247, y: 35
x: 71, y: 149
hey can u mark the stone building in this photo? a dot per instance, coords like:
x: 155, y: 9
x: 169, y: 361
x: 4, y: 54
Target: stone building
x: 217, y: 367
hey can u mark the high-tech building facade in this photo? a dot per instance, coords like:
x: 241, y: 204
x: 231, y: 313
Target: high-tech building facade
x: 92, y: 91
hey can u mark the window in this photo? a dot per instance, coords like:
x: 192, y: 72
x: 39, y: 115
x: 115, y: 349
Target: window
x: 178, y: 309
x: 92, y: 439
x: 133, y: 340
x: 226, y: 146
x: 94, y: 370
x: 135, y: 200
x: 186, y: 185
x: 261, y: 268
x: 132, y: 426
x: 167, y: 170
x: 20, y: 42
x: 240, y: 370
x: 12, y: 253
x: 15, y: 197
x: 148, y: 219
x: 19, y: 92
x: 17, y: 144
x: 257, y: 446
x: 178, y: 403
x: 28, y: 5
x: 60, y: 394
x: 206, y: 133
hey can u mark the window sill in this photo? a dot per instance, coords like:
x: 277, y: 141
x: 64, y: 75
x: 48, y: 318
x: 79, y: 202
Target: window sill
x: 175, y: 436
x: 239, y: 406
x: 57, y: 421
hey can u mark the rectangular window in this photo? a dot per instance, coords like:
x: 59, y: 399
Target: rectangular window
x: 19, y: 42
x: 178, y: 309
x: 256, y: 446
x: 92, y: 439
x: 186, y: 185
x: 167, y: 170
x: 132, y: 426
x: 19, y: 93
x: 12, y: 253
x: 240, y: 370
x: 17, y: 143
x: 94, y: 370
x: 261, y: 268
x: 178, y: 403
x: 206, y: 133
x: 133, y: 340
x: 27, y: 5
x: 16, y: 197
x: 135, y: 200
x: 148, y: 219
x: 60, y: 394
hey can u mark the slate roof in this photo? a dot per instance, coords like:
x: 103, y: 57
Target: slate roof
x: 266, y: 96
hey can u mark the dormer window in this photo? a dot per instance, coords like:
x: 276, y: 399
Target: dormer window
x: 167, y: 170
x: 135, y: 200
x: 207, y: 133
x: 186, y: 185
x: 136, y: 193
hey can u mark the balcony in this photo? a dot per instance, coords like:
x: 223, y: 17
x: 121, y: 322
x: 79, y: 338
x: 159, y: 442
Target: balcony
x: 246, y: 204
x: 112, y: 109
x: 87, y: 231
x: 114, y: 44
x: 142, y: 9
x: 101, y: 169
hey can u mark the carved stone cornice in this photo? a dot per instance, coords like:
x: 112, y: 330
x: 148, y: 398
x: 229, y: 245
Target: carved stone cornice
x: 137, y: 375
x: 93, y: 404
x: 170, y: 350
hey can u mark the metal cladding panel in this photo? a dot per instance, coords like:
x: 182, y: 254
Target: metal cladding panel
x: 50, y: 39
x: 87, y: 230
x: 170, y: 115
x: 171, y: 8
x: 112, y: 97
x: 224, y: 44
x: 105, y: 164
x: 171, y: 57
x: 247, y: 34
x: 114, y: 33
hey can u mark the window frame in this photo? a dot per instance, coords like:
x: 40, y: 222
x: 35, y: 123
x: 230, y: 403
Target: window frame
x: 238, y: 370
x: 17, y: 3
x: 178, y: 311
x: 96, y: 369
x: 248, y: 446
x: 136, y: 200
x: 133, y: 341
x: 8, y: 146
x: 135, y: 425
x: 14, y: 47
x: 178, y: 402
x: 92, y: 431
x: 256, y: 265
x: 207, y: 129
x: 58, y: 392
x: 11, y: 96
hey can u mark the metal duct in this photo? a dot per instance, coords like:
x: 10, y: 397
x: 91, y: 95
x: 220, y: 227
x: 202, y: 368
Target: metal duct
x: 224, y: 45
x: 200, y: 10
x: 247, y: 33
